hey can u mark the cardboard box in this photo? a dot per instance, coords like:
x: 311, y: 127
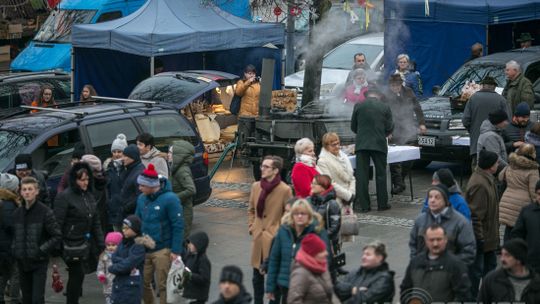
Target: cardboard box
x: 4, y: 53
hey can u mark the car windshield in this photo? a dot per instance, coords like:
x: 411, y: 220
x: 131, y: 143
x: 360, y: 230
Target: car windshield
x: 473, y: 72
x: 342, y: 56
x: 168, y: 89
x: 57, y: 27
x: 11, y: 144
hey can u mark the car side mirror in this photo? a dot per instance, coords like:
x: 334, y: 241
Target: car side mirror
x: 435, y: 90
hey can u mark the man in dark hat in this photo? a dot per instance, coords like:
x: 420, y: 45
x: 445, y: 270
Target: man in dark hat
x: 525, y: 40
x: 231, y: 289
x: 408, y: 122
x: 514, y: 281
x: 490, y: 135
x: 458, y: 229
x: 372, y: 122
x: 514, y: 133
x: 23, y: 168
x: 483, y: 201
x: 518, y: 88
x: 478, y: 108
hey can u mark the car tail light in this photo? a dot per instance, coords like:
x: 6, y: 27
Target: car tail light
x: 205, y: 158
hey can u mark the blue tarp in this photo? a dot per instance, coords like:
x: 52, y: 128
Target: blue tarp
x: 438, y: 36
x: 165, y: 27
x: 114, y: 56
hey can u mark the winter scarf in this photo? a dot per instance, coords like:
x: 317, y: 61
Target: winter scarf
x: 267, y: 187
x: 311, y: 264
x: 307, y: 160
x: 358, y: 87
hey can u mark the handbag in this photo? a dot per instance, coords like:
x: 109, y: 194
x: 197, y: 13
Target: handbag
x: 349, y: 224
x: 339, y: 260
x: 235, y: 104
x: 74, y: 253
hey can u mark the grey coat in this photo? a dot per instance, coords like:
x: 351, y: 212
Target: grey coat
x: 459, y: 230
x: 491, y: 140
x: 477, y: 110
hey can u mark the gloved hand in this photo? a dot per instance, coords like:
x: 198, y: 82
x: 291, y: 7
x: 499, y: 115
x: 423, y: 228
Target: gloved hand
x: 102, y: 278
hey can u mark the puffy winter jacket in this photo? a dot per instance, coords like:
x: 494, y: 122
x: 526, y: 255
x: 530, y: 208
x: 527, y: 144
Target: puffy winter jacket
x: 308, y: 287
x: 326, y: 205
x: 8, y: 205
x: 162, y: 217
x: 181, y: 176
x: 76, y: 211
x: 497, y: 288
x: 460, y: 234
x: 198, y: 286
x: 127, y: 266
x: 521, y: 177
x: 249, y: 106
x: 490, y: 139
x: 284, y: 248
x: 379, y: 282
x: 36, y: 234
x: 242, y: 298
x: 114, y: 188
x: 130, y: 190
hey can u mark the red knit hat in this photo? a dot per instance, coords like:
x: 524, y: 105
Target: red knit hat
x: 149, y: 177
x: 312, y: 244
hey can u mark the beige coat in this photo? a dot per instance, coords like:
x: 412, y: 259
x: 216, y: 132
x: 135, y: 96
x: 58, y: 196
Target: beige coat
x: 249, y: 106
x: 305, y: 287
x: 521, y: 176
x: 340, y: 171
x: 264, y: 229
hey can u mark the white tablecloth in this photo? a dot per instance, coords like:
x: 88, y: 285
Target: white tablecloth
x: 461, y: 140
x: 396, y: 154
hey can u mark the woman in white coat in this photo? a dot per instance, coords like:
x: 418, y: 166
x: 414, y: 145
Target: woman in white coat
x: 336, y: 164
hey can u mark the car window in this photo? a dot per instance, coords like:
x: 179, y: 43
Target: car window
x: 168, y: 127
x: 11, y: 144
x: 28, y: 91
x: 108, y: 16
x: 472, y: 72
x: 168, y: 89
x: 102, y: 135
x: 342, y: 56
x: 54, y: 155
x: 533, y: 72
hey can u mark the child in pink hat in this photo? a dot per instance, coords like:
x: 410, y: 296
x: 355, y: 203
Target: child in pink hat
x: 112, y: 240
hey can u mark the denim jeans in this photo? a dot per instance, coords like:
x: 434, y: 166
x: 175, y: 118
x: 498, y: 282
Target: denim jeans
x: 483, y: 263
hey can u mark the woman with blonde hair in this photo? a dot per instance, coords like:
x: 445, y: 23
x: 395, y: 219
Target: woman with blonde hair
x: 521, y: 176
x: 299, y: 222
x: 336, y: 164
x: 304, y: 170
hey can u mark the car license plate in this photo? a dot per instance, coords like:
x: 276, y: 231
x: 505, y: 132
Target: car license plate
x: 426, y: 141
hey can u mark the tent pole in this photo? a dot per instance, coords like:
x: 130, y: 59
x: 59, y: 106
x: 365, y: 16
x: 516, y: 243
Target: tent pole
x: 72, y: 73
x: 151, y: 66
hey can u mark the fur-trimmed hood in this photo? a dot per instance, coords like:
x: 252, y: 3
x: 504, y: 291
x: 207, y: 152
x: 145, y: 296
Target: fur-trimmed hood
x: 73, y: 177
x: 6, y: 195
x: 521, y: 162
x: 146, y: 241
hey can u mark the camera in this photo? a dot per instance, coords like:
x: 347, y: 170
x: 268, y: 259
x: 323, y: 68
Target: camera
x: 257, y: 79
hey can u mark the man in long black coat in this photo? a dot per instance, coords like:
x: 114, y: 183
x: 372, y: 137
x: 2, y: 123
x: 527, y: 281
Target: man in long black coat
x: 372, y: 122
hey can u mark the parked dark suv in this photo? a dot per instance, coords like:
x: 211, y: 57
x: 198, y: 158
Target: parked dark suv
x: 51, y: 135
x: 22, y: 88
x: 443, y: 113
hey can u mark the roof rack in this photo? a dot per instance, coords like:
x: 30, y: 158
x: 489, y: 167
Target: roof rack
x: 16, y: 74
x: 148, y: 103
x: 76, y: 113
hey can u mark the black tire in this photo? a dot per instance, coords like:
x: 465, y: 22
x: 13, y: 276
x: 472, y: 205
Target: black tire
x: 421, y: 164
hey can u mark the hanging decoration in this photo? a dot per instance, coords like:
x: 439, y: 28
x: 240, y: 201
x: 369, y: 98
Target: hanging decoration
x: 295, y: 11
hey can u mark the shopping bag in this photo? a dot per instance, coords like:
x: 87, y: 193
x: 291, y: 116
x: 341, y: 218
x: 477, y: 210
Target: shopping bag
x: 175, y: 281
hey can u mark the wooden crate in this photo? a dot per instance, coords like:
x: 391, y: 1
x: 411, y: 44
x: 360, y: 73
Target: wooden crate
x: 5, y: 53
